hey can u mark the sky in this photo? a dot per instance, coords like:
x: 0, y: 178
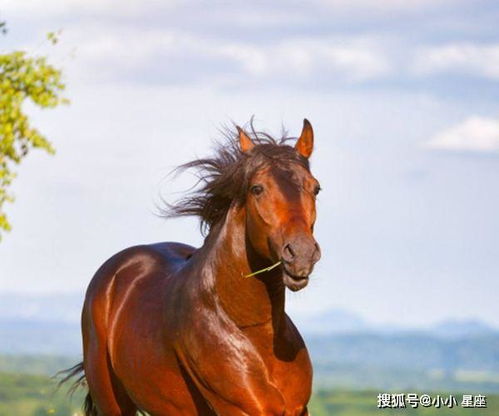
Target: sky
x: 403, y: 97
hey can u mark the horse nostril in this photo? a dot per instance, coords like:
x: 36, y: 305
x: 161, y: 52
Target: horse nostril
x: 288, y: 253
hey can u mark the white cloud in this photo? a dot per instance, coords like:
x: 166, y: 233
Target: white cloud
x: 387, y: 5
x: 475, y: 134
x: 45, y: 8
x: 132, y: 7
x: 103, y: 53
x: 464, y: 58
x: 358, y: 62
x: 110, y: 47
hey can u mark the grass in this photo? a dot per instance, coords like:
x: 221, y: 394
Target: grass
x: 364, y: 403
x: 37, y: 395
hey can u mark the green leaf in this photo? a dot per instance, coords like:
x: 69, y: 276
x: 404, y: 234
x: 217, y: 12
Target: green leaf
x: 23, y: 78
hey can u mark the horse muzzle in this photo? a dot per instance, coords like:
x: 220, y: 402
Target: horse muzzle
x: 299, y: 256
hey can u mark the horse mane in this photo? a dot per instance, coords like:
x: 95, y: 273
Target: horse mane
x: 224, y: 177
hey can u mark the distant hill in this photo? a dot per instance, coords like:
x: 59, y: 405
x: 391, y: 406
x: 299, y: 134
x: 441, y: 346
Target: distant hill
x: 22, y: 336
x: 66, y: 308
x: 42, y: 308
x: 50, y: 324
x: 331, y: 321
x: 42, y: 333
x: 339, y: 321
x: 454, y: 328
x: 408, y: 351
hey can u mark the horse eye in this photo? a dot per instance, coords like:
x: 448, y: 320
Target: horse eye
x: 256, y: 189
x: 317, y: 189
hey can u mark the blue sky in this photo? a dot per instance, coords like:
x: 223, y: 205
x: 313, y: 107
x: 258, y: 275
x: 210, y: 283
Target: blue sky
x: 403, y: 97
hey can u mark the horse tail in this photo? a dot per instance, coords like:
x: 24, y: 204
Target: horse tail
x: 78, y: 372
x: 89, y: 407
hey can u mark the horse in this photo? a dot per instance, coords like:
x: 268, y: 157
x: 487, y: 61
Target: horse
x: 169, y: 329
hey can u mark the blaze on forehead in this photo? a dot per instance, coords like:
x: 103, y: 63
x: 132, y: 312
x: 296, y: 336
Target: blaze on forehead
x: 282, y: 157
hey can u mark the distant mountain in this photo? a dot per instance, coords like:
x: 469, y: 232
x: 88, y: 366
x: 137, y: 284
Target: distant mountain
x: 346, y: 350
x: 402, y: 361
x: 18, y: 336
x: 44, y: 308
x: 40, y: 324
x: 66, y: 308
x: 330, y: 322
x: 454, y: 328
x: 408, y: 351
x: 340, y: 321
x: 49, y: 324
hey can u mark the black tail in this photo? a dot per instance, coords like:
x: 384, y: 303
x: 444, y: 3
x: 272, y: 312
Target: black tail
x: 77, y: 370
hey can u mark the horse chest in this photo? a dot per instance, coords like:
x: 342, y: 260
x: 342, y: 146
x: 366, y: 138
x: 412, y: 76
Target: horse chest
x: 288, y: 365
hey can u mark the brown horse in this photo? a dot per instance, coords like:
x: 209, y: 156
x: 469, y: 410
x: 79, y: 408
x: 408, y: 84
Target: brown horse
x: 173, y: 330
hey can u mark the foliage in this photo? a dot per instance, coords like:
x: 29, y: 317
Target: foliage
x: 23, y: 78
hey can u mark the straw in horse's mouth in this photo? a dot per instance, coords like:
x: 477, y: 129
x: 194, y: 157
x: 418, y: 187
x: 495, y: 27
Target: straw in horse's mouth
x: 294, y: 282
x: 266, y: 269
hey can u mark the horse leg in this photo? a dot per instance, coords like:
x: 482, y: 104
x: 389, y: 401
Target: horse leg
x: 105, y: 390
x: 106, y: 395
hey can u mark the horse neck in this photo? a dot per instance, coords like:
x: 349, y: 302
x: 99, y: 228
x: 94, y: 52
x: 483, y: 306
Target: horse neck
x: 248, y: 301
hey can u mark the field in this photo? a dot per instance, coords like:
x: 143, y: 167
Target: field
x: 36, y: 395
x: 364, y: 403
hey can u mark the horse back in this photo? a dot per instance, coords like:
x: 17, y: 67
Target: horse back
x: 164, y: 257
x: 144, y: 268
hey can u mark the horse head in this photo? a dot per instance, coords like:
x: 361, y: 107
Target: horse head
x: 280, y: 205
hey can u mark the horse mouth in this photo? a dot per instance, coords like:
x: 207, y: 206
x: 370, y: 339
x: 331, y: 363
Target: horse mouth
x: 293, y: 282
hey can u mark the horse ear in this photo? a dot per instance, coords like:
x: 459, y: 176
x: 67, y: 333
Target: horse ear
x: 244, y: 141
x: 305, y: 144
